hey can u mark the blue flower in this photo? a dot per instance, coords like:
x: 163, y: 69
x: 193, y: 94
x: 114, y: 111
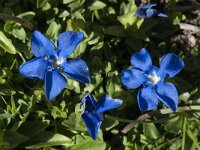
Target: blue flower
x: 49, y: 63
x: 92, y: 116
x: 152, y: 79
x: 146, y: 11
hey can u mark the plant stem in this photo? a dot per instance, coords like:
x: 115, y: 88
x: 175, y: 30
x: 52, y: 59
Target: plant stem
x: 143, y: 117
x: 21, y: 21
x: 184, y: 132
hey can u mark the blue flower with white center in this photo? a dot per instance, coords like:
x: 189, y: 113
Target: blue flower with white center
x: 152, y: 79
x: 146, y: 11
x: 50, y: 63
x: 92, y: 116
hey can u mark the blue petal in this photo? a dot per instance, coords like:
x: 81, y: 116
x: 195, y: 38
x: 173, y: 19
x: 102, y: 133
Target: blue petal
x: 107, y: 103
x: 141, y: 60
x: 147, y: 99
x: 132, y: 78
x: 142, y: 11
x: 34, y: 69
x: 89, y: 103
x: 93, y: 123
x: 67, y: 42
x: 170, y: 65
x: 54, y: 83
x: 147, y: 6
x: 77, y: 69
x: 168, y: 94
x: 161, y: 14
x: 150, y: 13
x: 40, y: 45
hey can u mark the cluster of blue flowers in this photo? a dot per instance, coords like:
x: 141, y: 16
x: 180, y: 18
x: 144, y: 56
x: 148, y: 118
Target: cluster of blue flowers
x: 51, y: 65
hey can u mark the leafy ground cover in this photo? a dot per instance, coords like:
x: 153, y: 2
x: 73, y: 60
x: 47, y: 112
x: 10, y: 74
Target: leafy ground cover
x: 111, y: 35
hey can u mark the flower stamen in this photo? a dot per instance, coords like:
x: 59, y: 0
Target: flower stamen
x: 154, y: 78
x: 57, y: 63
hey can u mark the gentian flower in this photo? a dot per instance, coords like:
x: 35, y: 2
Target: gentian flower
x: 92, y: 116
x: 50, y: 63
x: 152, y: 79
x: 146, y: 11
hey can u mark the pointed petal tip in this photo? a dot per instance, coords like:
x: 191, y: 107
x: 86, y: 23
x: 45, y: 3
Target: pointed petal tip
x: 147, y: 6
x: 107, y: 103
x: 171, y: 64
x: 168, y: 94
x: 147, y: 99
x: 77, y: 69
x: 93, y: 123
x: 162, y: 15
x: 68, y: 41
x: 34, y: 69
x: 54, y: 83
x: 41, y: 45
x: 132, y: 78
x: 141, y: 60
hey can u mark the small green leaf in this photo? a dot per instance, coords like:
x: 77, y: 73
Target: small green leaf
x: 7, y: 92
x: 67, y: 1
x: 194, y: 139
x: 41, y: 3
x: 32, y: 128
x: 115, y: 31
x: 89, y: 145
x: 74, y: 123
x: 53, y: 29
x: 29, y: 15
x: 97, y: 5
x: 47, y: 139
x: 5, y: 116
x: 6, y: 44
x: 151, y: 131
x: 14, y: 138
x: 109, y: 123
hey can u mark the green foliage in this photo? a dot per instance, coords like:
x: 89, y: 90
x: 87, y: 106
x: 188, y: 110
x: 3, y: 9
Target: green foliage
x: 112, y: 34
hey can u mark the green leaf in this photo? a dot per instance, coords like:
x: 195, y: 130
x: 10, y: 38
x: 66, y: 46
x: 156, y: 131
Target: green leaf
x: 184, y: 97
x: 53, y: 29
x: 74, y: 123
x: 5, y: 116
x: 41, y: 3
x: 29, y: 15
x: 109, y: 123
x: 32, y: 128
x: 115, y: 31
x: 7, y: 92
x: 78, y: 139
x: 14, y: 138
x: 67, y: 1
x: 6, y: 44
x: 174, y: 125
x: 89, y: 145
x: 176, y: 144
x: 151, y: 131
x: 47, y: 139
x: 73, y: 85
x: 97, y: 5
x: 194, y: 139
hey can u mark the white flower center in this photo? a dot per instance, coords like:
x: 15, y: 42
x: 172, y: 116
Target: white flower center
x: 57, y: 63
x: 154, y: 78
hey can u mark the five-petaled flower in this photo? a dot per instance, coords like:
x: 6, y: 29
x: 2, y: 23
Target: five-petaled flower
x: 152, y: 79
x: 146, y: 11
x: 92, y: 116
x: 50, y: 63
